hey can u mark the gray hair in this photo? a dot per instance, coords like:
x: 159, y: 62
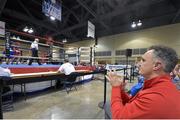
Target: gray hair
x: 167, y: 55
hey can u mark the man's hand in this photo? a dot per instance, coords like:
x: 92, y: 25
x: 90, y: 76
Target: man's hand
x: 115, y: 79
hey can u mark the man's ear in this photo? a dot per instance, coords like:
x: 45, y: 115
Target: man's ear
x: 157, y: 65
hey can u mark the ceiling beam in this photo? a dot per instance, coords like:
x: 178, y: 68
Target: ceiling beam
x: 73, y: 13
x: 23, y: 17
x: 131, y: 8
x: 72, y: 36
x: 25, y: 8
x: 175, y: 17
x: 117, y: 12
x: 148, y: 23
x: 64, y: 21
x: 30, y: 20
x: 2, y: 4
x: 111, y: 3
x: 92, y: 13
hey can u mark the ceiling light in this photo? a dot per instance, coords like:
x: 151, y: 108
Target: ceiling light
x: 14, y: 37
x: 25, y: 29
x: 18, y: 38
x: 133, y: 25
x: 70, y: 48
x: 47, y: 15
x: 139, y: 23
x: 64, y: 40
x: 52, y: 18
x: 30, y: 30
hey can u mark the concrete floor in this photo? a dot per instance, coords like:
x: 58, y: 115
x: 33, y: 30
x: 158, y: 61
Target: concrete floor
x: 80, y: 104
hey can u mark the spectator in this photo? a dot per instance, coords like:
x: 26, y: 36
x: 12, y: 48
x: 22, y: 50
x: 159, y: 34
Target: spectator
x: 159, y: 96
x: 9, y: 56
x: 133, y: 91
x: 176, y: 76
x: 66, y: 68
x: 17, y: 53
x: 137, y: 87
x: 4, y: 71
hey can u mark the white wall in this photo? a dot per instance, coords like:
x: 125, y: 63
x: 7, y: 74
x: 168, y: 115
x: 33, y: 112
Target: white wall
x: 168, y: 35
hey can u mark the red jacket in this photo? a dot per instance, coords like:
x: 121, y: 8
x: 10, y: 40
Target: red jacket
x: 159, y: 98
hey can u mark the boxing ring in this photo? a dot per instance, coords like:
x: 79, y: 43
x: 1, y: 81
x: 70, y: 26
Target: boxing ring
x: 24, y: 74
x: 24, y: 69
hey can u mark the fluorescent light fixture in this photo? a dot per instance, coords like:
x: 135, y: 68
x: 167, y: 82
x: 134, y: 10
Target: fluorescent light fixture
x: 36, y: 39
x: 64, y: 40
x: 70, y: 48
x: 14, y: 37
x: 18, y: 38
x: 30, y: 30
x: 139, y: 23
x: 47, y: 15
x: 133, y: 25
x: 52, y: 18
x: 25, y: 29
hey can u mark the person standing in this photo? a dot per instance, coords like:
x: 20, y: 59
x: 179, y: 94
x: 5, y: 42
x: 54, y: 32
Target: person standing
x: 34, y: 50
x: 158, y: 98
x: 137, y: 87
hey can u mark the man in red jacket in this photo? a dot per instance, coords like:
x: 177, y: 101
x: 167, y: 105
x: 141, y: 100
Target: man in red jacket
x: 159, y: 97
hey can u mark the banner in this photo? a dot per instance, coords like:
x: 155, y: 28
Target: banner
x: 52, y: 8
x: 7, y: 44
x: 120, y: 69
x: 91, y: 30
x: 2, y: 28
x: 115, y: 67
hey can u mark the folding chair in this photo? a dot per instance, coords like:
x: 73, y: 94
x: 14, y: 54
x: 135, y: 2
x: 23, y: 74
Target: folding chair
x: 70, y: 81
x: 7, y: 99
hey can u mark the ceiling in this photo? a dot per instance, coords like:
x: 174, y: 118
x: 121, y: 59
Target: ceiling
x: 109, y: 16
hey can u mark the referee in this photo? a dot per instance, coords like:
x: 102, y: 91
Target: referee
x: 34, y: 50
